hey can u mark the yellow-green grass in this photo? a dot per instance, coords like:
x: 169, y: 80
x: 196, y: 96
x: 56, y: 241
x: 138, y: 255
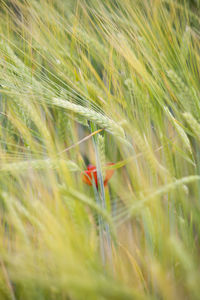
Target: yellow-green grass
x: 99, y: 81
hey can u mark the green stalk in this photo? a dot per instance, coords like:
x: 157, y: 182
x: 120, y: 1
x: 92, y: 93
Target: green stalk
x: 100, y: 199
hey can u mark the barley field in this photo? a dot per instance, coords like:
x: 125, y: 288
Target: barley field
x: 99, y: 149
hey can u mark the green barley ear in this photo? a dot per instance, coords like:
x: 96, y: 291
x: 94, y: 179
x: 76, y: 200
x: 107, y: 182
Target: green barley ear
x: 155, y: 166
x: 177, y: 81
x: 89, y: 114
x: 192, y: 122
x: 101, y: 146
x: 179, y: 130
x: 163, y: 190
x: 38, y: 164
x: 187, y: 96
x: 62, y: 126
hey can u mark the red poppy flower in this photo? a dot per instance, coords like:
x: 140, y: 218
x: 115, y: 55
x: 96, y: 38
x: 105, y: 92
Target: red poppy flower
x: 91, y: 173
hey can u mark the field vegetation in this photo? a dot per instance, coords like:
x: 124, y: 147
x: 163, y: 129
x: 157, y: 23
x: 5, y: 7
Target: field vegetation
x: 114, y: 84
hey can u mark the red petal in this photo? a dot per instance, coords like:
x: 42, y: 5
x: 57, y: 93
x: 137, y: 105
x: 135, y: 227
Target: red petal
x: 91, y: 167
x: 89, y: 175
